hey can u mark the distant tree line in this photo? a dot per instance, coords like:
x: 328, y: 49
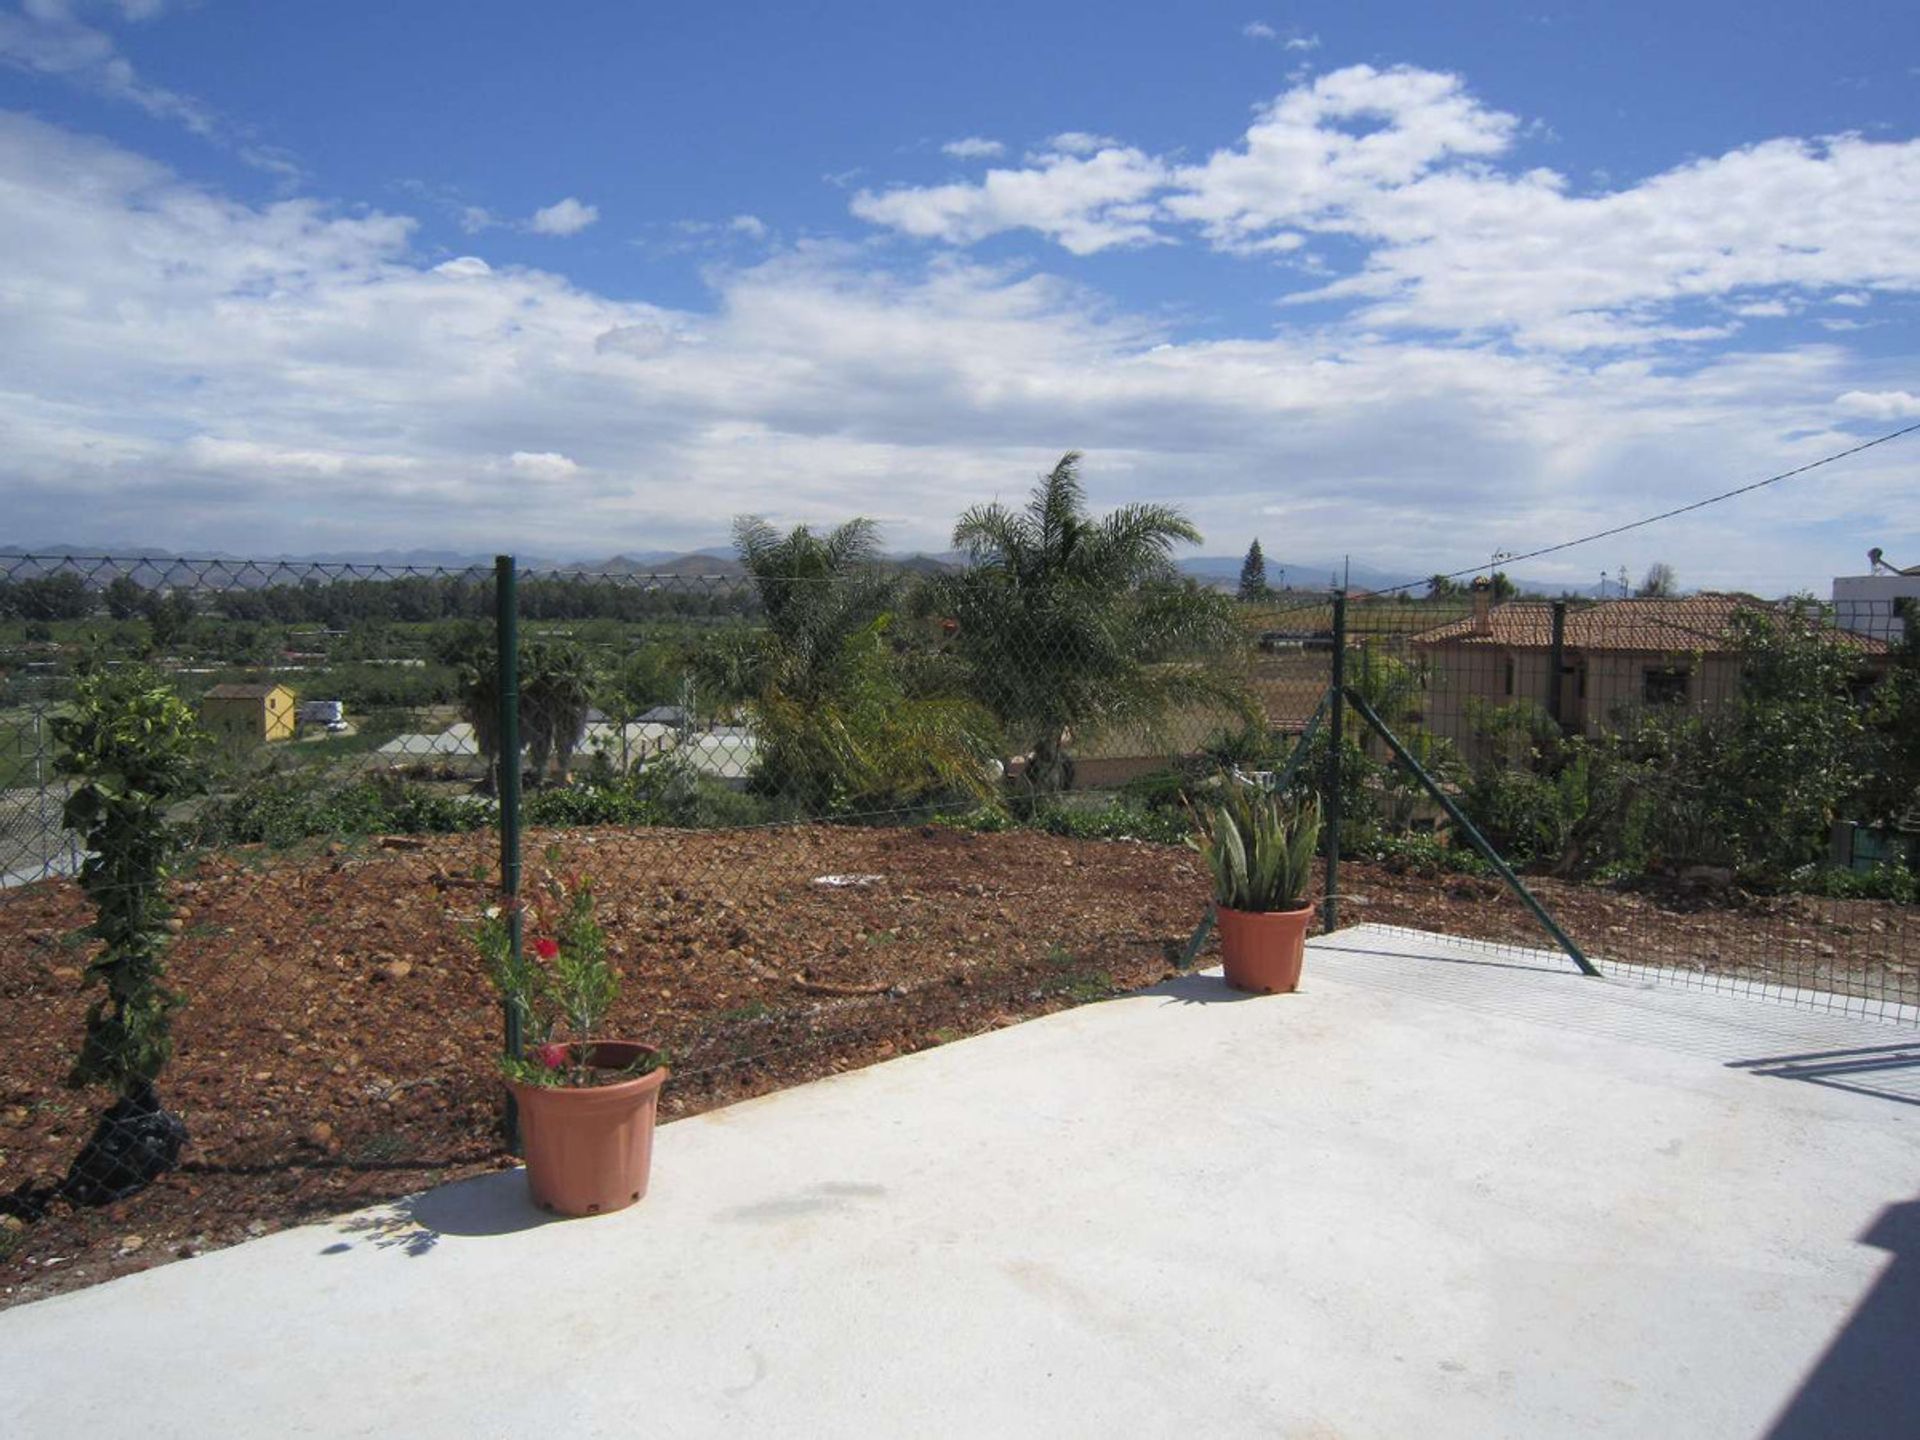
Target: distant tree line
x: 343, y: 603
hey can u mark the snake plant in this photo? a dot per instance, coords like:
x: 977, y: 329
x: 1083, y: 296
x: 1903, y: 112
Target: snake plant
x: 1260, y: 848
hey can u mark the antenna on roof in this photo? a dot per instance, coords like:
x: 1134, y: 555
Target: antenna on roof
x: 1876, y: 564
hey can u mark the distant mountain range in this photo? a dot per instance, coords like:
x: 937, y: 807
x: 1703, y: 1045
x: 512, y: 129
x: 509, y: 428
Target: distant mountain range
x: 156, y: 567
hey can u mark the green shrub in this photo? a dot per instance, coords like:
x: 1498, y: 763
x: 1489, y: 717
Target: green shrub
x: 1420, y: 854
x: 1882, y: 882
x: 591, y: 804
x: 1116, y: 820
x: 281, y: 808
x: 133, y: 751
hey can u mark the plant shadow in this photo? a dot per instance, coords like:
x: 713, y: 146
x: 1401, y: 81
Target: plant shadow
x: 486, y: 1205
x: 1202, y: 989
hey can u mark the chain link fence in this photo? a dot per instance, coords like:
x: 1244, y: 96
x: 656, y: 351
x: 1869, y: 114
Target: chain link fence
x: 327, y: 1050
x: 838, y: 809
x: 1706, y: 789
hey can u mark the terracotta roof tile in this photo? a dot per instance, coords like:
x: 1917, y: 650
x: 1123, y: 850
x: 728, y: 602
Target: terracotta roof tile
x: 1692, y: 622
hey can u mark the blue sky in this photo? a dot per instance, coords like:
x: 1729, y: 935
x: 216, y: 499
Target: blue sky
x: 1403, y: 281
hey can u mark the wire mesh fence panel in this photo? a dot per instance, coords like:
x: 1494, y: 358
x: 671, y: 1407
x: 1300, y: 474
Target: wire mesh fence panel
x: 318, y: 1030
x: 841, y: 810
x: 1708, y: 789
x: 836, y: 809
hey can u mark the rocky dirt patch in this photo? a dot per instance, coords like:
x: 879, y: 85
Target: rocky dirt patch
x: 337, y: 1047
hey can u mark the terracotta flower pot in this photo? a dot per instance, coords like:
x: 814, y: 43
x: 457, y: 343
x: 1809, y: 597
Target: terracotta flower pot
x: 1263, y: 950
x: 589, y: 1148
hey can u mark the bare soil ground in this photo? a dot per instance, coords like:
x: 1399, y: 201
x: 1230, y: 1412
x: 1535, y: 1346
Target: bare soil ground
x: 337, y: 1045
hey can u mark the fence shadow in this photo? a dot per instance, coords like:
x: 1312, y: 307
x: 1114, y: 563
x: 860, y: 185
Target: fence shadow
x: 1859, y: 1070
x: 1866, y: 1382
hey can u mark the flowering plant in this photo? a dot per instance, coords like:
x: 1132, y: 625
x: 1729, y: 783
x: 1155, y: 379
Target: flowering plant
x: 559, y: 982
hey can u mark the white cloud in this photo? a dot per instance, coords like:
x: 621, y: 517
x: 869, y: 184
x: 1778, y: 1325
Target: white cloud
x: 1085, y: 202
x: 1260, y: 30
x: 563, y: 217
x: 199, y: 372
x: 1454, y: 237
x: 541, y: 465
x: 1880, y: 404
x: 752, y: 226
x: 48, y: 37
x: 1321, y: 151
x: 973, y: 147
x: 1080, y: 142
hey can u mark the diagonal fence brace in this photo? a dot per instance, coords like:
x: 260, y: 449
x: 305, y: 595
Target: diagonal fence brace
x: 1480, y: 842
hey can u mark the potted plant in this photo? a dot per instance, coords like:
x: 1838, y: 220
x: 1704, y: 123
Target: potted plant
x: 1260, y: 849
x: 587, y: 1105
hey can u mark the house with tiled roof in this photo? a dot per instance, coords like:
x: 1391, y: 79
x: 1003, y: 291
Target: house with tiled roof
x: 1615, y: 655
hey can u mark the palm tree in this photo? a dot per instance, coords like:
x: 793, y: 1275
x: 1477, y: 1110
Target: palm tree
x: 557, y: 682
x: 556, y: 690
x: 480, y: 705
x: 840, y: 726
x: 1071, y: 625
x: 816, y: 591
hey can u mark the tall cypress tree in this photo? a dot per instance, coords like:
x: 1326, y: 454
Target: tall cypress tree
x: 1253, y: 574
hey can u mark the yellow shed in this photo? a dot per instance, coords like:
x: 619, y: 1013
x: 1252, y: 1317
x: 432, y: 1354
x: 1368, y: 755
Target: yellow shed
x: 248, y: 714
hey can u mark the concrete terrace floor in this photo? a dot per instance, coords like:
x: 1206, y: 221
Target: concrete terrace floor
x: 1444, y: 1191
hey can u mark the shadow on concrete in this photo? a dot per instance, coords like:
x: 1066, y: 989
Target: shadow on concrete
x: 496, y: 1204
x: 1855, y: 1069
x: 1867, y: 1382
x: 1559, y: 966
x: 1206, y: 990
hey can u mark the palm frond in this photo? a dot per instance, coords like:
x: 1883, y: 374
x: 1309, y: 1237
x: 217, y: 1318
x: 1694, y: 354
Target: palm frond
x: 992, y: 535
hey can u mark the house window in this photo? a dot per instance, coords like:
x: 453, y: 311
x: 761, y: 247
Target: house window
x: 1665, y: 685
x: 1507, y: 678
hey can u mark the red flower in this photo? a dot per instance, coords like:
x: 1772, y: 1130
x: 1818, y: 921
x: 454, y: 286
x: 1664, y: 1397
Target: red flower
x: 546, y: 949
x: 554, y: 1057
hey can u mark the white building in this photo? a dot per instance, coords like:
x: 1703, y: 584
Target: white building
x: 1865, y: 604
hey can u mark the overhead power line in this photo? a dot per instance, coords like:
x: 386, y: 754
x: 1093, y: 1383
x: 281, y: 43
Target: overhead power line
x: 1678, y: 509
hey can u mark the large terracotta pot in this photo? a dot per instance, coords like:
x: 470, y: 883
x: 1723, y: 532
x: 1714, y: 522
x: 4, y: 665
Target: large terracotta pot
x: 1263, y: 950
x: 589, y: 1148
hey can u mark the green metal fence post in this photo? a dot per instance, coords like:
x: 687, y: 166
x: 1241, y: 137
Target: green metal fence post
x: 1336, y: 734
x: 1557, y: 663
x: 507, y: 786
